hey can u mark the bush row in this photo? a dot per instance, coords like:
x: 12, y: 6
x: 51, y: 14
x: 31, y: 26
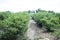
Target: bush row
x: 13, y: 25
x: 49, y: 21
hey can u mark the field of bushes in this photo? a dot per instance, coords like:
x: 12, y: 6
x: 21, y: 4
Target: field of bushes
x: 49, y: 21
x: 13, y: 25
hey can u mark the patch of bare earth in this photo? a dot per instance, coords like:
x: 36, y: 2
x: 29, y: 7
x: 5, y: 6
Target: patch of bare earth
x: 35, y: 33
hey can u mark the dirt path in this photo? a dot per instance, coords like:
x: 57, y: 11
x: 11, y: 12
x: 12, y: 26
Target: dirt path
x: 35, y: 33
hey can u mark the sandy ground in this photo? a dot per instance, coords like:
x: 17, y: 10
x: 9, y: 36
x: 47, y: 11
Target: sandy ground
x: 35, y: 33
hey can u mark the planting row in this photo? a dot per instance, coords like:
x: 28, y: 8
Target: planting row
x: 49, y: 21
x: 13, y: 25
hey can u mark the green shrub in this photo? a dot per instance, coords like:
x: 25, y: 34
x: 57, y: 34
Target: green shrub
x: 49, y: 21
x: 13, y: 25
x: 56, y: 34
x: 4, y: 15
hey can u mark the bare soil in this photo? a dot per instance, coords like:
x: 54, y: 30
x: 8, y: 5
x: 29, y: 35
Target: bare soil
x: 36, y: 33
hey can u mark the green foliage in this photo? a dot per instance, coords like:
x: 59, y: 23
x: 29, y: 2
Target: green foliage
x: 50, y: 21
x: 4, y: 15
x: 56, y: 34
x: 12, y: 25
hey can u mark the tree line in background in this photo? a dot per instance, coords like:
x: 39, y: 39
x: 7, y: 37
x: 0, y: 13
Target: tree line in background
x: 39, y: 10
